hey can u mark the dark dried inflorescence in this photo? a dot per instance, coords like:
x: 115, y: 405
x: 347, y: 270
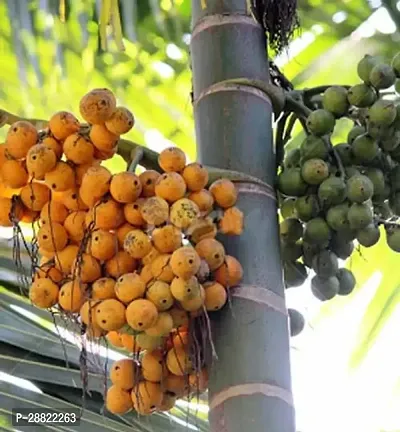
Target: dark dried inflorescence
x: 279, y: 19
x: 278, y: 78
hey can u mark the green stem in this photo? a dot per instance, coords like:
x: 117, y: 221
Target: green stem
x: 149, y: 158
x: 315, y: 102
x: 320, y: 89
x: 304, y: 125
x: 296, y: 106
x: 288, y: 134
x: 279, y: 139
x: 380, y: 221
x: 7, y: 118
x: 136, y: 157
x: 338, y: 162
x: 390, y: 6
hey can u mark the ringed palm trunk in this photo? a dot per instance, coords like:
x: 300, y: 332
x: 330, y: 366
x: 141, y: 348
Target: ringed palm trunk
x: 250, y: 385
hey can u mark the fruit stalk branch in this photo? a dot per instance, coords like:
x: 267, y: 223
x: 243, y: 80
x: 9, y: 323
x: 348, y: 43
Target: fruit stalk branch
x: 134, y: 153
x: 7, y: 118
x: 280, y: 140
x: 310, y: 92
x: 288, y: 133
x: 386, y: 223
x: 338, y: 162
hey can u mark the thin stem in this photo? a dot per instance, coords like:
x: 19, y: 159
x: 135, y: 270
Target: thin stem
x: 288, y: 134
x: 136, y: 157
x: 279, y: 140
x: 149, y: 159
x: 384, y: 222
x: 338, y: 162
x: 321, y: 89
x: 315, y: 102
x: 304, y: 125
x: 7, y: 118
x: 296, y: 106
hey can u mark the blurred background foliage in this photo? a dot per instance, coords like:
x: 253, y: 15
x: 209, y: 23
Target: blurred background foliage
x: 345, y: 364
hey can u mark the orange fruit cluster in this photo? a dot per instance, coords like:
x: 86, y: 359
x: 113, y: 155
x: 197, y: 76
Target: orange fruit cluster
x: 157, y: 380
x: 133, y: 257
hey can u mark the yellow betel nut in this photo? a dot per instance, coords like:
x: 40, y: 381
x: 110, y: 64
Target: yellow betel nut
x: 103, y: 245
x: 149, y: 343
x: 232, y: 222
x: 185, y: 262
x: 195, y: 176
x: 118, y: 401
x: 151, y: 256
x: 141, y: 314
x: 98, y: 106
x: 147, y: 397
x: 65, y: 259
x: 61, y: 178
x: 88, y: 312
x: 176, y: 385
x: 123, y: 374
x: 35, y: 195
x: 72, y: 295
x: 40, y: 160
x: 121, y: 121
x: 201, y: 229
x: 87, y: 268
x: 172, y: 159
x: 75, y: 225
x: 102, y: 138
x: 107, y: 215
x: 167, y: 239
x: 230, y: 273
x: 95, y: 184
x: 162, y: 327
x: 148, y: 179
x: 215, y: 296
x: 159, y: 293
x: 155, y: 211
x: 62, y: 124
x: 52, y: 237
x: 53, y: 211
x: 7, y: 206
x: 185, y: 289
x: 129, y: 287
x: 133, y: 214
x: 212, y: 251
x: 161, y: 268
x: 43, y: 293
x: 196, y: 302
x: 115, y: 338
x: 125, y: 187
x: 204, y: 200
x: 120, y: 264
x: 103, y: 288
x: 137, y: 244
x: 224, y: 193
x: 183, y: 213
x: 153, y: 366
x: 170, y: 186
x: 110, y: 315
x: 21, y: 136
x: 178, y: 361
x: 14, y: 174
